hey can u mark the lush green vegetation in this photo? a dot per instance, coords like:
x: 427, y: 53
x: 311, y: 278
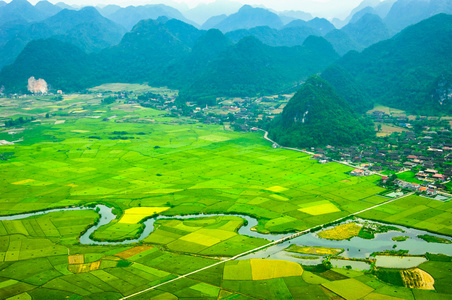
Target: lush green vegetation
x: 400, y: 238
x: 171, y: 163
x: 303, y: 122
x: 415, y: 211
x: 422, y: 52
x: 440, y: 270
x: 204, y: 65
x: 369, y: 230
x: 252, y: 68
x: 391, y: 276
x: 347, y: 88
x: 62, y: 65
x: 314, y: 250
x: 434, y: 239
x: 84, y: 28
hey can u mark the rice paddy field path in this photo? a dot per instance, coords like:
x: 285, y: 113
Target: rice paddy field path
x: 292, y: 236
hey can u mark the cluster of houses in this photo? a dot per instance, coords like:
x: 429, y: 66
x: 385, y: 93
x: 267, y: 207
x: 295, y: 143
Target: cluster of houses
x: 430, y: 190
x: 408, y: 151
x: 432, y: 175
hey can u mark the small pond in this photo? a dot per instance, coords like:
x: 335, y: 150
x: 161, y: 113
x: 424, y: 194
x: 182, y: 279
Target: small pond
x: 399, y: 262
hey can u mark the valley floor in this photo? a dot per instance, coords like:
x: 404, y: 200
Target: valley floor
x: 78, y: 151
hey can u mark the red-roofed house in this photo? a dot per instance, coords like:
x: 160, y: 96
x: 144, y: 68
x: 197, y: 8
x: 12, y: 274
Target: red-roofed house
x: 439, y: 177
x: 431, y: 192
x: 357, y: 172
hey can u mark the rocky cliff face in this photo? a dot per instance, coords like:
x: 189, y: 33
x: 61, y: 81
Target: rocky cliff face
x: 37, y: 86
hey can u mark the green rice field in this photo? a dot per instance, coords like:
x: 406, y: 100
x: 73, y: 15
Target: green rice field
x: 127, y: 156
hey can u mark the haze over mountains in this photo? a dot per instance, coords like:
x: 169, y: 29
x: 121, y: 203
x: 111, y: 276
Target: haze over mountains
x: 247, y: 51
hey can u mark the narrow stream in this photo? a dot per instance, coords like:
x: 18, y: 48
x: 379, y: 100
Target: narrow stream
x: 353, y: 248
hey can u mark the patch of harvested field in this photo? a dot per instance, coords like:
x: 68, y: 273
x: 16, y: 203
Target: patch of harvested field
x: 417, y: 279
x: 76, y: 259
x: 133, y: 251
x: 314, y: 250
x: 94, y: 265
x: 341, y: 232
x: 84, y: 268
x: 387, y: 130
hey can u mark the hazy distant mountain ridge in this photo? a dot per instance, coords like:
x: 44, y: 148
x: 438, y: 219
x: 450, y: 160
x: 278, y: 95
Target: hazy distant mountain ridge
x: 293, y: 34
x: 249, y: 17
x: 23, y: 11
x: 323, y: 26
x: 129, y: 16
x: 407, y: 12
x: 296, y: 14
x: 204, y: 11
x: 368, y: 30
x: 289, y: 37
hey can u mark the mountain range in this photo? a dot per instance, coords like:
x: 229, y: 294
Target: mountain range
x: 249, y: 17
x: 291, y: 34
x: 250, y: 60
x: 252, y: 52
x: 404, y: 71
x: 85, y: 28
x: 252, y: 68
x: 21, y: 11
x: 411, y: 71
x: 129, y: 16
x: 176, y: 54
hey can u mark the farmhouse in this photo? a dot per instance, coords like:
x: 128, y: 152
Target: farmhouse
x: 357, y: 172
x: 421, y: 175
x: 431, y: 192
x: 439, y: 177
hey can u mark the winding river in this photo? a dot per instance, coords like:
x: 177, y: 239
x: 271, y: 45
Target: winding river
x: 353, y: 248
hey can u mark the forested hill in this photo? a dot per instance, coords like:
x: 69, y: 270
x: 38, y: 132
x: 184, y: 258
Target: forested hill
x: 172, y: 53
x: 250, y: 68
x: 84, y: 28
x: 60, y: 63
x: 318, y: 116
x: 402, y: 72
